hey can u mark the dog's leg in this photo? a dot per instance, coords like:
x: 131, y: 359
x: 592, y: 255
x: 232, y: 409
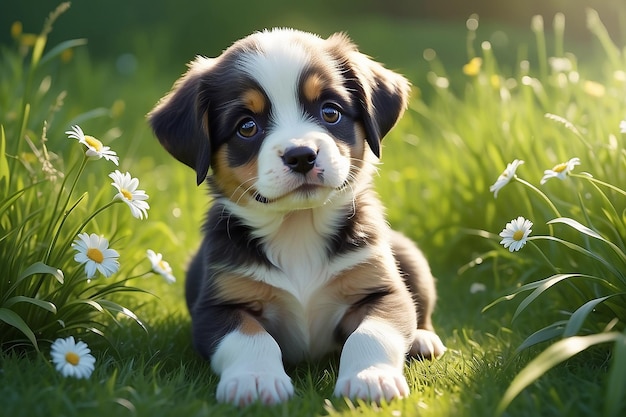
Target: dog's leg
x: 372, y: 363
x: 415, y: 270
x: 249, y: 362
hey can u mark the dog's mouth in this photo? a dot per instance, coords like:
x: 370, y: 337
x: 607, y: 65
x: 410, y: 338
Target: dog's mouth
x: 304, y: 191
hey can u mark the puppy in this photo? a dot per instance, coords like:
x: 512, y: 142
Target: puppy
x: 297, y: 259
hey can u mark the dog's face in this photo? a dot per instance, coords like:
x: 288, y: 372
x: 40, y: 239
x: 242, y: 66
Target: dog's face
x: 283, y: 118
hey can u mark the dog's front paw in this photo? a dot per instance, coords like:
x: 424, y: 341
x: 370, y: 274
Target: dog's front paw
x: 373, y: 384
x: 427, y: 345
x: 244, y: 388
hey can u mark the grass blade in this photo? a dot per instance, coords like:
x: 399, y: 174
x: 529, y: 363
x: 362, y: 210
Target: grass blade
x: 41, y: 268
x: 608, y: 265
x: 543, y: 286
x: 13, y: 319
x: 46, y: 305
x: 578, y: 317
x: 58, y: 50
x: 527, y: 287
x: 587, y: 231
x: 547, y: 333
x: 616, y: 385
x: 4, y: 164
x: 549, y: 358
x: 580, y: 227
x: 37, y: 268
x: 116, y: 308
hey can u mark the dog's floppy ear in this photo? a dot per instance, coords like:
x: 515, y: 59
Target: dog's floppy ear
x: 180, y: 123
x: 382, y: 93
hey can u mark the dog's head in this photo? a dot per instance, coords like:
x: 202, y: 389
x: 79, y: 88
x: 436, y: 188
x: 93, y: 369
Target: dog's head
x: 283, y: 118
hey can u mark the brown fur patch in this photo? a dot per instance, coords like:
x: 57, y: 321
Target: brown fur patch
x: 313, y: 86
x: 254, y: 100
x: 241, y: 290
x: 357, y: 151
x: 250, y: 326
x: 234, y: 182
x: 253, y: 296
x: 375, y: 289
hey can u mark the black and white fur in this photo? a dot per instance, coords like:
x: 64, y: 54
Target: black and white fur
x: 297, y: 259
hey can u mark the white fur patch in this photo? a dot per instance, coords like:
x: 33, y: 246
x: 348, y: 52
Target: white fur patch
x: 277, y: 68
x: 372, y: 363
x: 296, y: 244
x: 427, y: 344
x: 250, y: 369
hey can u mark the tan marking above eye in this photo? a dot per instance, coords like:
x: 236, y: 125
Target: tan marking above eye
x: 313, y: 87
x: 254, y: 100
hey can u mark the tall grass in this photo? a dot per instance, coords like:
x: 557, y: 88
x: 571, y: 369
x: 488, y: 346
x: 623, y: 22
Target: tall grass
x: 551, y: 109
x: 47, y: 200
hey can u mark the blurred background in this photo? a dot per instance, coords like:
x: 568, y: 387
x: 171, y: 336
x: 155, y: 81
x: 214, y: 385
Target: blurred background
x: 124, y: 32
x: 185, y: 27
x: 137, y: 48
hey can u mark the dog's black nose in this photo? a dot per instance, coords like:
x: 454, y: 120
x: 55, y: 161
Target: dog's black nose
x: 300, y: 159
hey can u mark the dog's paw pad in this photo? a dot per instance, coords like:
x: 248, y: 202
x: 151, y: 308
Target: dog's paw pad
x: 246, y: 388
x: 427, y: 345
x: 373, y: 384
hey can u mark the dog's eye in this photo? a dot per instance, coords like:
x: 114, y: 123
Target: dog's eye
x: 247, y: 128
x: 331, y: 114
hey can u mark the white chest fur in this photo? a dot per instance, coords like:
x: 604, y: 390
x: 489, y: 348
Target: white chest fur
x: 296, y: 244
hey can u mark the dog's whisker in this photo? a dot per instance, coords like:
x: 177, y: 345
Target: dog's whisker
x: 364, y: 162
x: 246, y: 190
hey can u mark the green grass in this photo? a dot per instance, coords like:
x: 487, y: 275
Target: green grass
x: 438, y: 164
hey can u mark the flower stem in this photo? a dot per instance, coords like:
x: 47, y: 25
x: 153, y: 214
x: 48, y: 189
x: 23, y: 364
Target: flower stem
x: 95, y: 213
x: 544, y: 197
x: 543, y: 255
x: 60, y: 221
x: 596, y: 181
x: 66, y: 212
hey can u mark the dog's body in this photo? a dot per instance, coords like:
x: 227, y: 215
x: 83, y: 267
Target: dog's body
x: 297, y: 259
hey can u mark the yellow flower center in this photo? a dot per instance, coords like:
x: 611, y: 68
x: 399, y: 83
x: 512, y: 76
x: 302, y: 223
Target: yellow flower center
x: 162, y: 265
x: 518, y: 235
x: 127, y: 194
x: 559, y: 167
x: 16, y: 29
x: 93, y: 142
x: 72, y: 358
x: 95, y: 255
x: 495, y: 81
x: 473, y: 67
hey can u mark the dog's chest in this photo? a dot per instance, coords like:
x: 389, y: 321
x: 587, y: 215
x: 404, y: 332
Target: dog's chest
x: 303, y: 317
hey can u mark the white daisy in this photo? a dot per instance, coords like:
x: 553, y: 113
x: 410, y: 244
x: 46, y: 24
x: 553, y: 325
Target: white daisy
x: 505, y: 177
x: 560, y: 64
x: 477, y: 287
x: 160, y: 266
x: 129, y: 194
x: 515, y: 234
x: 71, y: 358
x: 95, y: 148
x: 94, y: 252
x: 560, y: 171
x: 622, y: 126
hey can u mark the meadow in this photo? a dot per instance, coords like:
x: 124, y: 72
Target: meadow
x: 534, y: 331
